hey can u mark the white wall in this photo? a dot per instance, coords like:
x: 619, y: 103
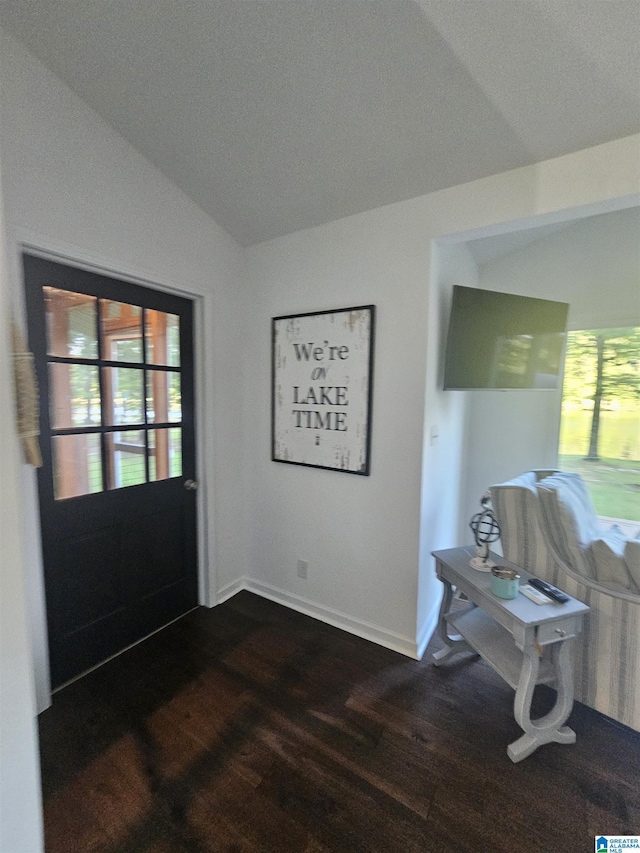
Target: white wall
x: 505, y: 434
x: 444, y: 421
x: 359, y: 534
x: 593, y: 264
x: 20, y: 806
x: 368, y: 540
x: 76, y: 188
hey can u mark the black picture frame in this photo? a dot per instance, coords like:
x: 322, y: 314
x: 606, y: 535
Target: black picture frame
x: 322, y: 388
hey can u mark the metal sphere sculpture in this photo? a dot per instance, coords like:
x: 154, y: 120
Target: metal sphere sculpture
x: 486, y: 530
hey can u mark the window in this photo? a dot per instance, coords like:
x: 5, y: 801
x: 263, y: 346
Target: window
x: 600, y: 426
x: 115, y: 393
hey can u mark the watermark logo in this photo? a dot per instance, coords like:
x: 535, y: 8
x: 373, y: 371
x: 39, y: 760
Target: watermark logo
x: 616, y: 843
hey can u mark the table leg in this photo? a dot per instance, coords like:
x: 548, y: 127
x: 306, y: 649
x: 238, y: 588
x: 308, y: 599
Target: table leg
x: 550, y: 728
x: 454, y: 643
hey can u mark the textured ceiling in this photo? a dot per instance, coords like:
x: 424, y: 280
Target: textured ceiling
x: 276, y: 115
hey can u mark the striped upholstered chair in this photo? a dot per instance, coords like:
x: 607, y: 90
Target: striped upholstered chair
x: 548, y: 526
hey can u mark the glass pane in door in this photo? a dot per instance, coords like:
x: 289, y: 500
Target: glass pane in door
x: 123, y: 400
x: 125, y: 458
x: 175, y: 452
x: 74, y: 395
x: 164, y: 401
x: 163, y: 338
x: 71, y: 323
x: 77, y: 465
x: 165, y: 453
x: 121, y: 331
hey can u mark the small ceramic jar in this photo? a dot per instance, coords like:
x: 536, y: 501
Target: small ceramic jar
x: 505, y: 582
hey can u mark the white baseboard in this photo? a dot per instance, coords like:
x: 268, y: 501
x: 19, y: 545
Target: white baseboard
x: 366, y: 630
x: 230, y: 589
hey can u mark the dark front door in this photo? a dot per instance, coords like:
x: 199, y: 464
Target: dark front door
x: 117, y: 494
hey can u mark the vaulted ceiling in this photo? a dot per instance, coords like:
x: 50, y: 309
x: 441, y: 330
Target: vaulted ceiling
x: 276, y: 115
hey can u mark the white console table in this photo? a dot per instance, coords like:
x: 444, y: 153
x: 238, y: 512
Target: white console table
x: 526, y: 643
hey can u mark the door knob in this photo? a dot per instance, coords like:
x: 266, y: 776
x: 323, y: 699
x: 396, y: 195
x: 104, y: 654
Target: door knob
x: 191, y: 485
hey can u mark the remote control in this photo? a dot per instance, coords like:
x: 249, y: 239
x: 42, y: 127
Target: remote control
x: 552, y: 591
x: 535, y: 596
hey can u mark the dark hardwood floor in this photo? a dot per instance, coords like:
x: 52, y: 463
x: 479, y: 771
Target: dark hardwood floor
x: 253, y: 728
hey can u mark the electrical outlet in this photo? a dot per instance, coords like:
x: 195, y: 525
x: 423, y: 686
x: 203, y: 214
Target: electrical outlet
x: 302, y: 569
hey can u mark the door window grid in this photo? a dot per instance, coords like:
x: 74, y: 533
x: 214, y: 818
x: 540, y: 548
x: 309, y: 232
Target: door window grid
x: 101, y: 430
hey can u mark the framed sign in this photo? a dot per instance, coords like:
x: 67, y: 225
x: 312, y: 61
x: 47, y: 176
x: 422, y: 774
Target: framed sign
x: 322, y: 367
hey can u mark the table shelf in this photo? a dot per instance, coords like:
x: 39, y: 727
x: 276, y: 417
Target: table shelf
x: 495, y: 644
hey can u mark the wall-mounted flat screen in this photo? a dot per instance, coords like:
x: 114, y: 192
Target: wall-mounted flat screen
x: 502, y: 341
